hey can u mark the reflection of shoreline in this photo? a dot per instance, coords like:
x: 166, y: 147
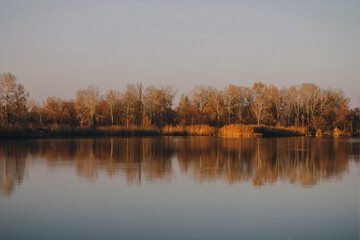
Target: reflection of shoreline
x: 263, y: 161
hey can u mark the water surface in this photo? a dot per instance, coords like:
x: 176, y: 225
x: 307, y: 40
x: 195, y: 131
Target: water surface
x: 180, y: 188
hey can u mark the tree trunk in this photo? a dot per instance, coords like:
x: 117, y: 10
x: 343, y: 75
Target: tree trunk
x: 112, y: 116
x: 127, y: 117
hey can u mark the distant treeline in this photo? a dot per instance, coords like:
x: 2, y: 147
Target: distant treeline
x: 306, y: 106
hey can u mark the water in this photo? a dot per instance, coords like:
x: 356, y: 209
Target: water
x: 180, y: 188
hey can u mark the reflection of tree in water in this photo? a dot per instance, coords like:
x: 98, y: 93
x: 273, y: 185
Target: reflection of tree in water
x: 138, y: 158
x: 263, y: 161
x: 12, y: 166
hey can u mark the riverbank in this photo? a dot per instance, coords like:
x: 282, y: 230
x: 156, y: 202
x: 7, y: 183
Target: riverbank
x: 235, y: 130
x: 64, y: 132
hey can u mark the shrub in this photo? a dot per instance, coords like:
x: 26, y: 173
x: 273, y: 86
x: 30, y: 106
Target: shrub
x: 318, y: 133
x: 337, y: 132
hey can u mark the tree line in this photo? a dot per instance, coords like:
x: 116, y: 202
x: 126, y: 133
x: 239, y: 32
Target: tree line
x: 304, y: 105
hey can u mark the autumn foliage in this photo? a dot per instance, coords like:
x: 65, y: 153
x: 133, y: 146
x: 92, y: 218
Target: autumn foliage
x: 231, y: 111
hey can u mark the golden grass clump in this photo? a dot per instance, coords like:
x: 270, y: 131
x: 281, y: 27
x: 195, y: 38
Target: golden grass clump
x: 193, y: 130
x: 318, y: 133
x: 337, y: 132
x: 237, y: 130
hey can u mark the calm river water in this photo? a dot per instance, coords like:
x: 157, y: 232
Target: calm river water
x: 180, y: 188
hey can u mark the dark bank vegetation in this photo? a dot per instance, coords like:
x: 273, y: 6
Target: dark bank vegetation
x: 234, y: 111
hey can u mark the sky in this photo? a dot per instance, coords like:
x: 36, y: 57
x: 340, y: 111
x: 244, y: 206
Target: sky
x: 55, y: 48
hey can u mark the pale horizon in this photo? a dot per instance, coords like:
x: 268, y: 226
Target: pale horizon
x: 54, y: 49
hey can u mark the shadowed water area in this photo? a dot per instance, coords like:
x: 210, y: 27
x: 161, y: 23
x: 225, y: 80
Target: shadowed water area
x: 180, y: 188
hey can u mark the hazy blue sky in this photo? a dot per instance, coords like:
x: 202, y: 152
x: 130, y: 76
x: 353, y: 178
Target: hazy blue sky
x: 57, y: 47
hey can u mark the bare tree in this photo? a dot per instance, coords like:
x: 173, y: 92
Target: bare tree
x: 259, y: 104
x: 242, y: 102
x: 200, y: 98
x: 310, y: 96
x: 140, y: 111
x: 275, y: 102
x: 158, y: 103
x: 112, y: 98
x: 13, y: 97
x: 92, y: 99
x: 85, y: 104
x: 129, y: 99
x: 185, y: 111
x: 217, y: 101
x: 230, y: 95
x: 295, y: 102
x: 286, y: 107
x: 80, y: 107
x: 54, y: 109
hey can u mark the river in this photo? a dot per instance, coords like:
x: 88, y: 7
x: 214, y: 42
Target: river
x: 180, y: 188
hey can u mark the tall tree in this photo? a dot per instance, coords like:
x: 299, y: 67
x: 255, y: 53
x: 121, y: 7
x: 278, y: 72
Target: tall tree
x: 112, y: 98
x: 217, y: 102
x: 310, y: 96
x: 54, y: 110
x: 185, y: 111
x: 13, y: 97
x: 275, y: 102
x: 129, y: 99
x: 92, y: 98
x: 295, y: 102
x: 230, y: 99
x: 85, y: 105
x: 242, y: 102
x: 200, y: 97
x: 158, y: 103
x: 286, y: 107
x: 259, y: 103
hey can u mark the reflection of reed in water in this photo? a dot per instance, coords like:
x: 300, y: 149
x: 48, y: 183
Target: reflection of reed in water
x: 263, y: 161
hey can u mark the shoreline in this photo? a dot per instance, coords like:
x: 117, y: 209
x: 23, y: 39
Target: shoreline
x: 227, y: 131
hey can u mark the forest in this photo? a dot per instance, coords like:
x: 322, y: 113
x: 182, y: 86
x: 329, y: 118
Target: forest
x: 305, y: 108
